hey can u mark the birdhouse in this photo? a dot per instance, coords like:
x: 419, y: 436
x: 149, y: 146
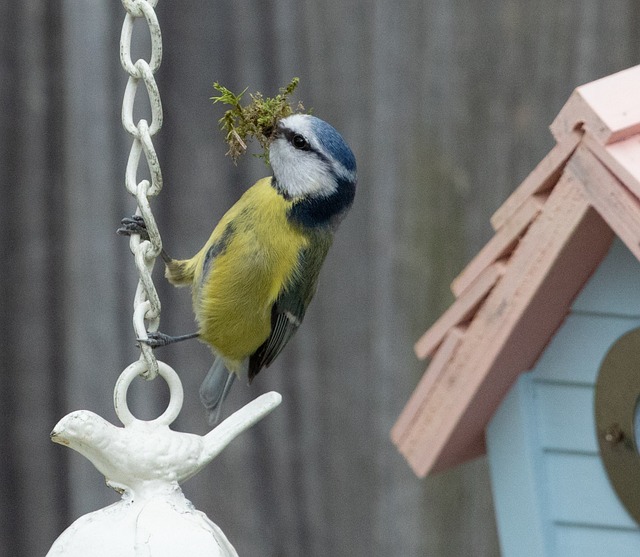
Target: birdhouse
x: 537, y: 361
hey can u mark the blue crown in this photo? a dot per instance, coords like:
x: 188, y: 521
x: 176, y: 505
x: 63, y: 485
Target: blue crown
x: 334, y: 144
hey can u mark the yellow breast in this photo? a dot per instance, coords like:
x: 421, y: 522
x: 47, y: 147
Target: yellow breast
x: 234, y: 290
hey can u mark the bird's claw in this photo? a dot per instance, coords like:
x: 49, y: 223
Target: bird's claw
x: 156, y: 339
x: 133, y: 225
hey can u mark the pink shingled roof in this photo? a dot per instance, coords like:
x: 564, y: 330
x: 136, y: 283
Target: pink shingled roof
x: 550, y: 236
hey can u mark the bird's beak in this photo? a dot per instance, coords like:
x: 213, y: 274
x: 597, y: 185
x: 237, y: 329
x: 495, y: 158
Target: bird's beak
x: 57, y: 437
x: 274, y: 132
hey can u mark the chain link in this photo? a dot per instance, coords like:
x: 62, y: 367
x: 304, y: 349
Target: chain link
x: 146, y: 312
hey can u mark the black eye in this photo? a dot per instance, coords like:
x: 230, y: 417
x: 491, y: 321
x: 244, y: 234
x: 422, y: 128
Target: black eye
x: 299, y: 142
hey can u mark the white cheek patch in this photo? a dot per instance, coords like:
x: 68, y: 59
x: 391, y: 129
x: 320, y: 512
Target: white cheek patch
x: 300, y: 173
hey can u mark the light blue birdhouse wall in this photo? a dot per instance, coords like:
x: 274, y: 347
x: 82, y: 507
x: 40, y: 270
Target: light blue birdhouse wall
x: 551, y: 491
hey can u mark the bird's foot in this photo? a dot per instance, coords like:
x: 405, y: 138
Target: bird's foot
x: 156, y: 339
x: 133, y: 225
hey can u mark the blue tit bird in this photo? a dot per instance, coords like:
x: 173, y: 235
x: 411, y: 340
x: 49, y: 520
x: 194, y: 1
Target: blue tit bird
x: 254, y: 278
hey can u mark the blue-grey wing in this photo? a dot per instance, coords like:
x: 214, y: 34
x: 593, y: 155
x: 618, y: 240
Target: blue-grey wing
x: 288, y: 310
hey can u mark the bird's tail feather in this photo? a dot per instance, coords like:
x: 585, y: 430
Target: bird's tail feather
x: 215, y: 388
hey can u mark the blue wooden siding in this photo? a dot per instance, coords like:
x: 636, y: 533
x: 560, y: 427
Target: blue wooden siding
x: 552, y: 495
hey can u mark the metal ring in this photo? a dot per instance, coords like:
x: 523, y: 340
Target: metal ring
x: 616, y: 399
x: 176, y: 393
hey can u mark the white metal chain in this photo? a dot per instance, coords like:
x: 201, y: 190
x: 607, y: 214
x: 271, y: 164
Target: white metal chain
x: 146, y: 313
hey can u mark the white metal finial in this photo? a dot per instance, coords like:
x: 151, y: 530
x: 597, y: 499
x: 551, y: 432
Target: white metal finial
x: 145, y: 461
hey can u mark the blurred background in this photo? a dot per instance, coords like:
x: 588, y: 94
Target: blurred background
x: 446, y: 104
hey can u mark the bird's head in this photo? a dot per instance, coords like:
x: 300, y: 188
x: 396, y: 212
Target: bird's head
x: 310, y: 159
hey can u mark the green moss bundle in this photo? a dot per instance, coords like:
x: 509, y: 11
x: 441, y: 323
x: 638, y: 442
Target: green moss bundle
x: 257, y: 119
